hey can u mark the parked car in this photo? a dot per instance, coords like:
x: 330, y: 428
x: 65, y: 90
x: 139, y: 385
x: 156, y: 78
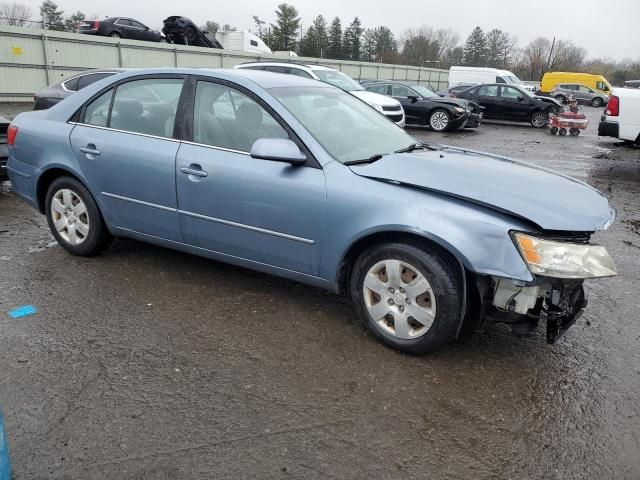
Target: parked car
x: 508, y: 102
x: 389, y: 107
x: 621, y: 118
x: 422, y: 107
x: 4, y: 152
x: 49, y: 96
x: 121, y: 27
x: 183, y: 31
x: 597, y: 82
x: 465, y: 75
x: 632, y: 84
x: 300, y: 179
x: 582, y: 94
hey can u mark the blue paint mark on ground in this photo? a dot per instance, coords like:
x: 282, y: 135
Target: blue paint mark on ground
x: 23, y: 311
x: 5, y: 467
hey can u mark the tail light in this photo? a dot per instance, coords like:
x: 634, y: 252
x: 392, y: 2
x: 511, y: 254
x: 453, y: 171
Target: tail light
x: 613, y: 108
x: 95, y: 24
x: 12, y: 133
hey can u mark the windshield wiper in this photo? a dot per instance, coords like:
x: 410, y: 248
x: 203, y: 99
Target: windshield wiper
x: 371, y: 159
x: 416, y: 146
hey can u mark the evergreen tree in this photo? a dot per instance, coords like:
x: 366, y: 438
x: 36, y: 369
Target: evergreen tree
x: 498, y: 48
x: 386, y: 46
x: 334, y: 47
x: 352, y: 42
x: 52, y: 17
x: 285, y: 30
x: 73, y: 22
x: 475, y: 48
x: 368, y: 50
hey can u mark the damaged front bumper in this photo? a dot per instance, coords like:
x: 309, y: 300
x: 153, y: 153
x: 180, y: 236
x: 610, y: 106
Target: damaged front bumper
x: 515, y: 310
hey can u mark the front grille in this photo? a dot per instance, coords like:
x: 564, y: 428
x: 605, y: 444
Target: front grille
x: 395, y: 118
x: 395, y: 108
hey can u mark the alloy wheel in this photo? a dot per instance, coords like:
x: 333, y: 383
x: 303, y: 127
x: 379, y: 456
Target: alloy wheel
x: 439, y: 120
x: 597, y: 102
x: 399, y: 299
x: 539, y: 119
x: 70, y: 216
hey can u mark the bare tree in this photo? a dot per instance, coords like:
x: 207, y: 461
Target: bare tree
x: 536, y: 54
x: 567, y: 56
x: 14, y: 14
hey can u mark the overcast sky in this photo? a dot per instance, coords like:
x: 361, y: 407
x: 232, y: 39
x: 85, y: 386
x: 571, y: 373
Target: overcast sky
x: 604, y: 28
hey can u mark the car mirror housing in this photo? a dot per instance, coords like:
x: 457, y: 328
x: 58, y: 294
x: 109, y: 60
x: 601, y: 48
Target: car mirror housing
x: 521, y: 99
x: 278, y: 150
x: 413, y: 98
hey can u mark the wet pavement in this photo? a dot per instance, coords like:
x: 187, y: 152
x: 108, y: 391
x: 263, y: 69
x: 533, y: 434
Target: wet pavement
x: 145, y: 363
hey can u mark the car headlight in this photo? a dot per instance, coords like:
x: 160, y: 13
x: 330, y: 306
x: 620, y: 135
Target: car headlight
x: 555, y: 259
x: 459, y: 109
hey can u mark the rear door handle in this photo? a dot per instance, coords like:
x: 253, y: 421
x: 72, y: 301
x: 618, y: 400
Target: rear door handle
x: 90, y: 150
x: 194, y: 170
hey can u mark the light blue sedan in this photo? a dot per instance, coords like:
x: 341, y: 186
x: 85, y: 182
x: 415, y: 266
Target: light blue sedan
x: 300, y: 179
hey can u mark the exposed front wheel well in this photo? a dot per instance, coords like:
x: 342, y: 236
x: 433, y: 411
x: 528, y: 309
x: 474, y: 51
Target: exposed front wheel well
x: 45, y: 180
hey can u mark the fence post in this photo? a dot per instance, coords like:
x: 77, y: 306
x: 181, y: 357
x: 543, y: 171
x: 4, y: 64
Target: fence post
x: 377, y: 72
x: 119, y: 54
x: 175, y: 56
x: 46, y: 59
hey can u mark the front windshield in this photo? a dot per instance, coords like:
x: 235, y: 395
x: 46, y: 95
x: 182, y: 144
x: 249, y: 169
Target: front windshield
x: 339, y: 80
x: 346, y: 127
x: 424, y: 91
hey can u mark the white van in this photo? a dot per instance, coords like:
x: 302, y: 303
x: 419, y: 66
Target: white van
x: 479, y: 75
x: 242, y: 41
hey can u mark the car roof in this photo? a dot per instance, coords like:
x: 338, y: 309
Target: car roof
x: 288, y: 64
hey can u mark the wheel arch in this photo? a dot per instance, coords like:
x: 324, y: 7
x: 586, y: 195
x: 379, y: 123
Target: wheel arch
x: 46, y: 178
x: 379, y: 237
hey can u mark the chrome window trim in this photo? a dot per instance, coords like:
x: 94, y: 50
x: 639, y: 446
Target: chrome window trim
x: 124, y: 131
x: 214, y: 147
x: 212, y: 219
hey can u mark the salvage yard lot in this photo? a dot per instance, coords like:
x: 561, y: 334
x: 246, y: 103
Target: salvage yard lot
x: 149, y: 363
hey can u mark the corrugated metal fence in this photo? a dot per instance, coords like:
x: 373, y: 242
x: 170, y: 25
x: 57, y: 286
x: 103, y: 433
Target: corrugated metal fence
x: 31, y: 59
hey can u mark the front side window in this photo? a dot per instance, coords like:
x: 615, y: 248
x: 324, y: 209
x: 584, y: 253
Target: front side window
x: 227, y: 118
x: 97, y: 112
x: 584, y: 89
x: 347, y: 128
x: 509, y: 92
x: 400, y: 91
x: 424, y: 91
x: 500, y: 80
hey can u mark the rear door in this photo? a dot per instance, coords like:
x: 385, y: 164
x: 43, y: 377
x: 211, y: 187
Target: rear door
x: 487, y: 96
x: 231, y: 203
x: 125, y: 148
x: 123, y: 26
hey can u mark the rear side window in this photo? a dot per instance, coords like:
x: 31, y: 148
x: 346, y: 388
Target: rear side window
x: 147, y: 106
x: 488, y: 91
x: 97, y: 112
x: 87, y: 80
x: 254, y: 43
x: 382, y: 89
x: 72, y: 85
x: 276, y: 69
x: 299, y: 73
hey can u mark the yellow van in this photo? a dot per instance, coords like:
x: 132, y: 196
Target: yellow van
x: 597, y: 82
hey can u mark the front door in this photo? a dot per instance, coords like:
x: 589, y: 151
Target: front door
x: 413, y: 109
x: 260, y: 210
x: 127, y: 154
x: 514, y: 103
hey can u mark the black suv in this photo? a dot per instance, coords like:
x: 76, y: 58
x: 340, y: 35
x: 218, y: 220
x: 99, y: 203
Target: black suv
x: 422, y: 107
x: 121, y: 27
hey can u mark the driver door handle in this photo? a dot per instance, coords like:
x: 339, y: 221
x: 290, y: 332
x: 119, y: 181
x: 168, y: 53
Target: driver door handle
x: 90, y: 150
x: 196, y: 172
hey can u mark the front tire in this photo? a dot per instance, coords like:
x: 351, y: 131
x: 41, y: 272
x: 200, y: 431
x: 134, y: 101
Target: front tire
x: 596, y: 102
x: 439, y: 120
x: 539, y: 119
x: 115, y: 35
x: 409, y: 297
x: 561, y: 99
x: 74, y: 218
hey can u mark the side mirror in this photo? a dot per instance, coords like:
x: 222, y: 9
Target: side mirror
x: 413, y: 98
x: 521, y: 99
x: 278, y: 150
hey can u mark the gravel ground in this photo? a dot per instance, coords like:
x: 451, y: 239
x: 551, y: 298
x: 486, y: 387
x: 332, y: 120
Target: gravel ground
x: 145, y: 363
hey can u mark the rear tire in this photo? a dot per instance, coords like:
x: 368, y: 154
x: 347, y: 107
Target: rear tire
x: 115, y: 35
x: 561, y: 99
x: 411, y: 280
x: 596, y: 102
x: 74, y: 218
x: 574, y: 132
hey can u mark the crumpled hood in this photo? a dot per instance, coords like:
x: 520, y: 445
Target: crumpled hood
x: 550, y: 200
x: 461, y: 102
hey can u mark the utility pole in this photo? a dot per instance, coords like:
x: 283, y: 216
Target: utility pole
x: 553, y: 43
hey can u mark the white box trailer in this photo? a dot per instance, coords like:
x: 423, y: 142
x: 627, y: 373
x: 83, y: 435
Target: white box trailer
x: 244, y: 41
